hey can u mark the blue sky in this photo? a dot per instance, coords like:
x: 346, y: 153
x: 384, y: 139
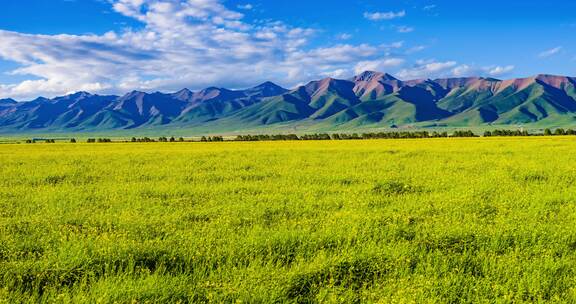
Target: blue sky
x: 54, y: 47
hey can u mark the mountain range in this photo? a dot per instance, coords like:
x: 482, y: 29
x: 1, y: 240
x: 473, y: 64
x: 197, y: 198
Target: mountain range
x: 371, y: 100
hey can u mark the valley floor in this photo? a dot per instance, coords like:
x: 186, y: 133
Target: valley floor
x: 390, y: 221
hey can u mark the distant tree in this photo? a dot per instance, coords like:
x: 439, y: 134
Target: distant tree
x: 547, y: 132
x: 559, y: 132
x: 133, y: 139
x: 181, y: 139
x: 73, y: 140
x: 291, y: 137
x: 29, y: 141
x: 204, y: 139
x: 382, y: 135
x: 172, y: 139
x: 467, y: 133
x: 144, y: 139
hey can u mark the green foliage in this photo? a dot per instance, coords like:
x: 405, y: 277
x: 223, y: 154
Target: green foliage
x: 463, y: 134
x: 507, y: 133
x: 353, y: 136
x: 445, y: 220
x: 143, y: 139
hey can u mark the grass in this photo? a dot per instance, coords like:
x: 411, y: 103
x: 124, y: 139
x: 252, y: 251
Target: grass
x: 424, y: 221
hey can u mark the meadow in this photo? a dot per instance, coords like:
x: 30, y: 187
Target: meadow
x: 477, y: 220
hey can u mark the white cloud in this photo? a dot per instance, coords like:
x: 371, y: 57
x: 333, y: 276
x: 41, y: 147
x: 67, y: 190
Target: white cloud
x: 394, y: 45
x: 404, y: 29
x: 416, y: 49
x: 499, y: 70
x: 462, y: 70
x: 337, y: 54
x: 345, y: 36
x: 378, y: 65
x: 338, y: 74
x: 377, y: 16
x: 428, y: 69
x: 247, y: 6
x: 437, y: 69
x: 183, y: 43
x: 550, y: 52
x: 465, y: 70
x: 194, y: 44
x: 429, y: 7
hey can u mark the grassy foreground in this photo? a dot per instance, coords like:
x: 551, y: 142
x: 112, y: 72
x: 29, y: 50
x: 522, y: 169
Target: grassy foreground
x: 391, y: 221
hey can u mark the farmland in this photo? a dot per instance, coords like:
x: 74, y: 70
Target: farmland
x: 393, y: 221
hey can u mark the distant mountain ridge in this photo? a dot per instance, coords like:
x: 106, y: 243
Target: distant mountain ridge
x: 368, y: 100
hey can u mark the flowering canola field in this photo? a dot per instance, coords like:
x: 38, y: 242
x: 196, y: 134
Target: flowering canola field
x: 389, y: 221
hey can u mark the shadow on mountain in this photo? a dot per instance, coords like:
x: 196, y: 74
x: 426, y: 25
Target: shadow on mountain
x: 424, y: 102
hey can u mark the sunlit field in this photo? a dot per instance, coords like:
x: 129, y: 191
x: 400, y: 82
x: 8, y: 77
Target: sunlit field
x: 390, y: 221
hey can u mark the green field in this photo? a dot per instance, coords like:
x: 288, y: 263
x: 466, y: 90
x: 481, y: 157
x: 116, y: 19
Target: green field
x: 377, y: 221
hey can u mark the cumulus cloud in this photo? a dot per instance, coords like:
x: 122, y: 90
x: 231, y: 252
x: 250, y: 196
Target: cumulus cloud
x: 404, y: 29
x: 436, y: 69
x: 550, y: 52
x: 338, y: 74
x: 246, y: 6
x: 196, y: 44
x: 377, y: 16
x: 497, y: 71
x: 416, y: 49
x: 465, y: 70
x: 428, y: 69
x: 378, y: 65
x: 183, y: 43
x: 345, y: 36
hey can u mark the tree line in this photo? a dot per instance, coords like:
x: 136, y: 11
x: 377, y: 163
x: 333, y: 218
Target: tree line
x: 355, y: 136
x: 547, y: 132
x: 333, y: 136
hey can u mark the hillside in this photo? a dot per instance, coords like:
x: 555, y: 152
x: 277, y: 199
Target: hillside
x: 369, y: 100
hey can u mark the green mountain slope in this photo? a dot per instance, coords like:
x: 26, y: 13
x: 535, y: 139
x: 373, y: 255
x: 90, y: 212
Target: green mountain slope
x: 370, y: 100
